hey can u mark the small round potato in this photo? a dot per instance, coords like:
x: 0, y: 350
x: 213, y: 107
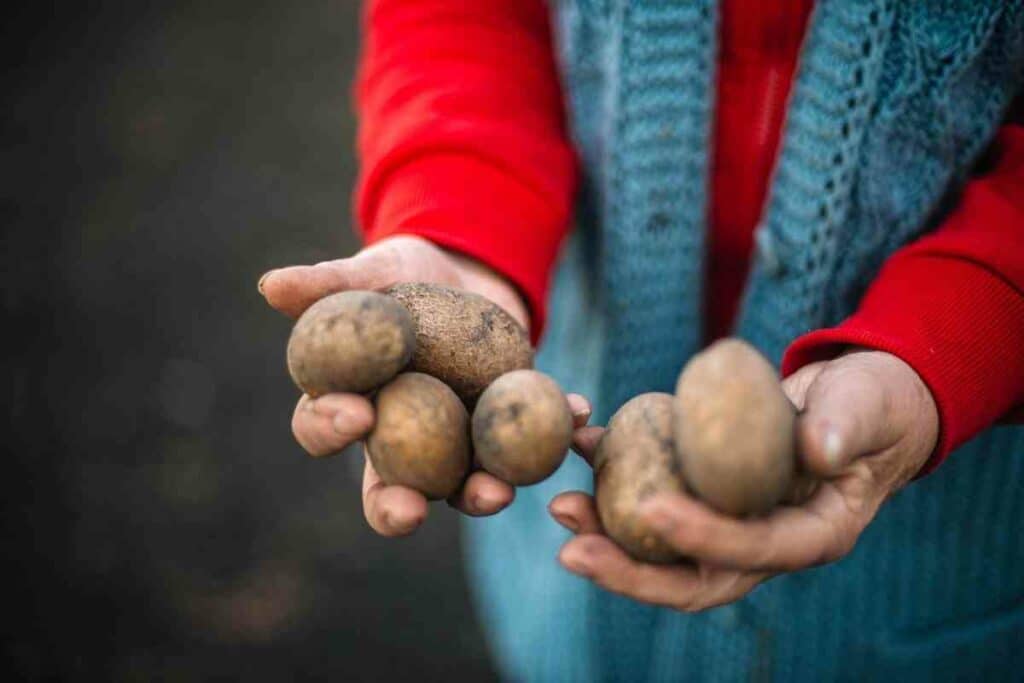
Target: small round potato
x: 462, y: 338
x: 734, y: 429
x: 350, y: 342
x: 421, y: 436
x: 634, y: 460
x: 522, y: 427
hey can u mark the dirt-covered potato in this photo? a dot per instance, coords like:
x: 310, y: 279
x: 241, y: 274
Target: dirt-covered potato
x: 634, y: 460
x: 522, y: 427
x: 463, y: 339
x: 350, y: 342
x: 734, y: 429
x: 421, y: 436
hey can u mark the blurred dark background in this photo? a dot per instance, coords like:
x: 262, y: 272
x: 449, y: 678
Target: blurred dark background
x: 159, y: 523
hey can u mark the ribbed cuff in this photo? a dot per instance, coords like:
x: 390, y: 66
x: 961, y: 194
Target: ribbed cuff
x: 961, y: 328
x: 475, y: 208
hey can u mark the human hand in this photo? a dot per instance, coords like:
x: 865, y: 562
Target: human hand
x: 326, y: 425
x: 867, y: 425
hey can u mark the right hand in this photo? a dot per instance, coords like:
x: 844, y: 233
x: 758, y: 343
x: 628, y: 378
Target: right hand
x: 326, y: 425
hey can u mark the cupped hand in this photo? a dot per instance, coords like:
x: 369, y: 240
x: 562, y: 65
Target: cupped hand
x: 328, y: 424
x: 867, y: 424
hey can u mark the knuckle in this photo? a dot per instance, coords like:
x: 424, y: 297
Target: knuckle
x: 612, y: 583
x: 846, y: 532
x: 843, y: 546
x: 840, y: 544
x: 767, y: 556
x: 392, y: 267
x: 401, y: 259
x: 620, y: 582
x: 695, y: 536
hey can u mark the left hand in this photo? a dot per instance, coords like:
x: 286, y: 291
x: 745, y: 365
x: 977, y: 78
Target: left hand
x: 866, y: 426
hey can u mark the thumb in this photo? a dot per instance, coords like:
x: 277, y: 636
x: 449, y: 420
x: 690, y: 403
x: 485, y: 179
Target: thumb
x: 293, y: 289
x: 845, y: 416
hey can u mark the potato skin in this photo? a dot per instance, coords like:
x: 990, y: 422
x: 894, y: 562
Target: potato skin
x: 522, y: 427
x: 635, y: 459
x: 350, y: 342
x: 734, y: 429
x: 462, y: 338
x: 421, y: 437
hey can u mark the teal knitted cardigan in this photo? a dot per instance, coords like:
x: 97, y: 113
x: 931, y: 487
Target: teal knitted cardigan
x: 893, y: 102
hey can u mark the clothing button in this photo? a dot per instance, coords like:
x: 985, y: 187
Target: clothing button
x: 767, y: 253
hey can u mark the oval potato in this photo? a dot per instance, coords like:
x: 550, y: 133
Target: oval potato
x: 421, y: 436
x: 522, y: 427
x: 734, y: 429
x: 635, y: 459
x: 350, y: 342
x: 465, y: 340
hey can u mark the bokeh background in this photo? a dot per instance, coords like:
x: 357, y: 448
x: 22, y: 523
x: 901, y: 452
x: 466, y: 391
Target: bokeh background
x: 159, y: 523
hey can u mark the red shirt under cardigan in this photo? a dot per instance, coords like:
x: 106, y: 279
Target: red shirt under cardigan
x: 463, y: 142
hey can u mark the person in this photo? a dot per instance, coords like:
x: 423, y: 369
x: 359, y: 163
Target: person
x: 839, y: 183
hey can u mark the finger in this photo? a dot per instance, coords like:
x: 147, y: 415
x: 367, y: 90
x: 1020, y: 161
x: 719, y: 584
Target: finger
x: 788, y: 539
x: 682, y: 587
x: 584, y: 442
x: 576, y: 511
x: 795, y: 386
x: 293, y: 289
x: 580, y: 408
x: 482, y: 494
x: 391, y: 510
x: 326, y: 425
x: 848, y: 414
x: 802, y: 488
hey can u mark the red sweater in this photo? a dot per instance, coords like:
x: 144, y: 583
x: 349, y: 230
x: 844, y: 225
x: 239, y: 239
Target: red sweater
x: 463, y: 142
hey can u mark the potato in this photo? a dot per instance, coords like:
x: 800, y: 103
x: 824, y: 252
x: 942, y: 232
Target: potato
x: 522, y: 427
x: 421, y: 436
x: 463, y: 339
x: 350, y: 342
x: 634, y: 460
x: 734, y: 429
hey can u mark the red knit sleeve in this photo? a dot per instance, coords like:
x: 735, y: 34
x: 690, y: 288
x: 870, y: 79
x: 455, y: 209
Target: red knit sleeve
x: 952, y: 305
x: 462, y: 138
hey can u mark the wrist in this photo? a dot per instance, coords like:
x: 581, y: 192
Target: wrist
x: 484, y: 280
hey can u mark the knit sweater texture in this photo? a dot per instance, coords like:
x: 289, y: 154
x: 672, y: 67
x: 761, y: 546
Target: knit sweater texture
x: 893, y: 102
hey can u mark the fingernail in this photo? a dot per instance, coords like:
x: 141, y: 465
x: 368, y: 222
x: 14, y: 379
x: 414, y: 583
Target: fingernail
x: 567, y: 521
x: 832, y: 446
x: 593, y: 547
x: 475, y: 503
x: 394, y: 526
x: 342, y: 422
x: 579, y: 405
x: 263, y: 278
x: 575, y: 563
